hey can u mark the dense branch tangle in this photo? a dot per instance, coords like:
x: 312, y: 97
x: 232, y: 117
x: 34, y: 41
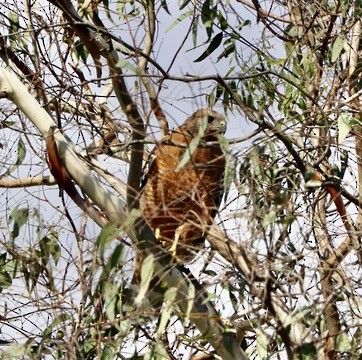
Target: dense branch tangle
x: 288, y: 231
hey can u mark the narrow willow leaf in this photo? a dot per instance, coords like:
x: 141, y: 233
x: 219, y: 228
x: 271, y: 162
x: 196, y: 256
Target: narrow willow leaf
x: 192, y: 146
x: 262, y: 343
x: 80, y: 51
x: 107, y: 10
x: 179, y: 19
x: 111, y: 298
x: 14, y: 26
x: 5, y: 280
x: 195, y: 29
x: 227, y: 51
x: 59, y: 320
x: 343, y: 342
x: 337, y: 47
x: 124, y: 64
x: 207, y: 17
x: 297, y: 316
x: 146, y: 277
x: 157, y: 352
x: 116, y: 258
x: 132, y: 216
x: 49, y: 246
x: 170, y: 296
x: 20, y: 159
x: 108, y: 233
x: 307, y: 352
x: 190, y: 300
x: 214, y: 44
x: 184, y: 4
x: 20, y: 217
x: 345, y: 123
x: 15, y: 351
x: 165, y: 6
x: 230, y: 169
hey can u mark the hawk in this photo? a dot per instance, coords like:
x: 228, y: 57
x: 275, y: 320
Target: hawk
x: 183, y: 186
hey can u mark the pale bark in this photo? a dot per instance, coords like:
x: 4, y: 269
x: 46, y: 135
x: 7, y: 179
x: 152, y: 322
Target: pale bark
x: 203, y: 315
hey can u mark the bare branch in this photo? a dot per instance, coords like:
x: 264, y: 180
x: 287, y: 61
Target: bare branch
x: 28, y: 181
x: 150, y: 33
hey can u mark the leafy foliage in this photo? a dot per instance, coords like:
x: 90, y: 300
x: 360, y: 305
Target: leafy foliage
x: 288, y: 76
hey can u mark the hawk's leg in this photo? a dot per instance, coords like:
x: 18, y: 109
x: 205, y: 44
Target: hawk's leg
x: 173, y: 248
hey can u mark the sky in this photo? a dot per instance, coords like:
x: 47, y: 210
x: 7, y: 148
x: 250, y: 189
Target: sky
x: 179, y: 100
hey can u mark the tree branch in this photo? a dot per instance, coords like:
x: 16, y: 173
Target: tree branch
x: 28, y: 181
x: 244, y: 261
x: 150, y: 33
x: 203, y: 313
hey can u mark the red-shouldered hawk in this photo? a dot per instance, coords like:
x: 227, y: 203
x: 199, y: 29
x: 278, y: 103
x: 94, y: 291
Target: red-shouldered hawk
x: 183, y: 186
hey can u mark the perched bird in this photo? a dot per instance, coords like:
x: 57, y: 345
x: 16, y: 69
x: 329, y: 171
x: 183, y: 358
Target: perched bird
x: 183, y: 185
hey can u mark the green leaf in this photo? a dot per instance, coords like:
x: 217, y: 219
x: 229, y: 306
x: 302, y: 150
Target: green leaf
x: 15, y: 351
x: 83, y: 6
x: 20, y: 217
x: 124, y: 64
x: 227, y: 51
x: 234, y: 301
x: 170, y: 296
x: 165, y: 6
x: 157, y: 352
x: 210, y: 99
x: 302, y: 104
x: 207, y: 17
x: 307, y: 352
x: 13, y: 18
x: 269, y: 218
x: 208, y: 298
x: 20, y: 159
x: 14, y: 27
x: 146, y: 277
x: 111, y: 349
x: 344, y: 157
x: 5, y: 280
x: 345, y: 123
x: 337, y: 47
x: 109, y: 232
x: 107, y: 10
x: 262, y: 343
x: 179, y: 19
x: 214, y: 44
x: 116, y: 257
x: 223, y: 22
x: 111, y: 298
x: 230, y: 169
x: 6, y: 124
x: 59, y: 320
x: 296, y: 316
x: 243, y: 24
x: 195, y: 28
x: 343, y: 342
x: 192, y: 146
x: 3, y: 260
x: 310, y: 184
x: 184, y: 4
x: 80, y: 51
x: 190, y: 300
x: 49, y: 246
x: 122, y: 8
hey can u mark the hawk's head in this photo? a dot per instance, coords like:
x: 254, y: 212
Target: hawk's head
x: 213, y: 121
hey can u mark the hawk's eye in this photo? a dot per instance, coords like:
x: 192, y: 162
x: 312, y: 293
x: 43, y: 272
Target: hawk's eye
x: 210, y: 119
